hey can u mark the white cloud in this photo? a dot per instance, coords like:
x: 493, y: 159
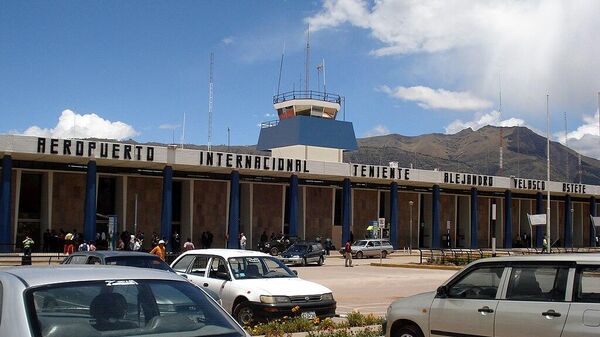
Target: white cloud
x: 428, y: 98
x: 480, y: 120
x: 585, y: 139
x: 536, y: 47
x: 228, y: 40
x: 378, y: 130
x: 73, y: 125
x: 169, y: 126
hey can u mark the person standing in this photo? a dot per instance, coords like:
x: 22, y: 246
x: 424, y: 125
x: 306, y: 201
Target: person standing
x: 545, y: 246
x: 160, y: 250
x: 348, y: 254
x: 188, y: 245
x: 27, y: 244
x: 242, y: 241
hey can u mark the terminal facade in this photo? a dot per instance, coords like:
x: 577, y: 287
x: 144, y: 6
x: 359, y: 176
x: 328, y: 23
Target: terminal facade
x: 303, y: 189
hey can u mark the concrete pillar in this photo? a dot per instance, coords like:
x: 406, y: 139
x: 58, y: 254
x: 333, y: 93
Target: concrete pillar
x: 394, y: 214
x: 508, y: 234
x: 346, y: 211
x: 568, y: 223
x: 592, y: 230
x: 6, y: 240
x: 293, y: 225
x: 474, y: 221
x: 539, y: 229
x: 166, y: 216
x: 435, y: 221
x: 234, y: 210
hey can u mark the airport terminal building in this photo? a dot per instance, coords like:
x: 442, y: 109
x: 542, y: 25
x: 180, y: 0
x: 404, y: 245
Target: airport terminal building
x: 303, y: 189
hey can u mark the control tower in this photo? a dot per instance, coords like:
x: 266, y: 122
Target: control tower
x: 307, y: 128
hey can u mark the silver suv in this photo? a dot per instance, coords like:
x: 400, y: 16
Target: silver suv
x: 549, y: 295
x: 371, y: 248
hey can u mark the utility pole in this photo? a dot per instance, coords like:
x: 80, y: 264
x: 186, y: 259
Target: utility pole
x: 210, y: 100
x: 548, y: 172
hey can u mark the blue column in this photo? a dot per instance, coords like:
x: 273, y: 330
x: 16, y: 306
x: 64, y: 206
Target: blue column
x: 394, y: 214
x: 539, y: 229
x: 346, y: 211
x: 5, y: 205
x: 167, y: 206
x: 508, y: 219
x: 234, y: 211
x: 568, y: 223
x: 474, y: 221
x: 293, y: 229
x: 89, y: 214
x: 592, y: 229
x: 435, y: 216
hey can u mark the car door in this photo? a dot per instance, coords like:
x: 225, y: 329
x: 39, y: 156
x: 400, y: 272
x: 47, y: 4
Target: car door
x: 466, y: 306
x: 535, y: 300
x: 584, y: 313
x: 217, y: 278
x: 196, y: 271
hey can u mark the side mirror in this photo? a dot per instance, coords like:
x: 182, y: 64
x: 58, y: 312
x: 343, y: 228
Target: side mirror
x: 295, y: 272
x: 442, y: 292
x: 223, y: 276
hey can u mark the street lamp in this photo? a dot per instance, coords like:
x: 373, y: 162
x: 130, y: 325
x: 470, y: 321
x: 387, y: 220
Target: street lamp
x: 410, y: 203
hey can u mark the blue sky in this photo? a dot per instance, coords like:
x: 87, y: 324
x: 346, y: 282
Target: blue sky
x: 407, y: 67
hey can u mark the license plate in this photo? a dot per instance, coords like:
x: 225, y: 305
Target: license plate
x: 308, y: 314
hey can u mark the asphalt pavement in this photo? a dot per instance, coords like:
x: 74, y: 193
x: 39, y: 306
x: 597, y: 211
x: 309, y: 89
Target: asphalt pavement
x: 371, y: 289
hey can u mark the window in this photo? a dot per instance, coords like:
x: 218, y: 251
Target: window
x: 126, y: 308
x: 587, y: 285
x: 481, y: 283
x: 183, y: 264
x: 199, y: 266
x: 218, y: 269
x: 94, y: 260
x: 78, y: 259
x: 537, y: 283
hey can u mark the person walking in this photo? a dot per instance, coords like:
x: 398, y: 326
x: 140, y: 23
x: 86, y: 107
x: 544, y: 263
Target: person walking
x: 348, y: 254
x: 160, y: 250
x: 242, y: 241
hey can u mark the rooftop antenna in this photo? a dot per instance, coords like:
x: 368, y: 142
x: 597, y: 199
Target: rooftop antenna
x: 183, y: 131
x: 280, y: 68
x: 210, y: 100
x: 307, y: 61
x: 321, y: 68
x: 567, y: 146
x: 579, y: 165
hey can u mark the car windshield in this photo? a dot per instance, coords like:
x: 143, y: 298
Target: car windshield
x: 258, y: 267
x: 297, y: 249
x: 138, y: 261
x: 126, y: 308
x: 360, y: 243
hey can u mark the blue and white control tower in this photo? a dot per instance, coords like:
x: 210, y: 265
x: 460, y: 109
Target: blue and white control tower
x: 307, y: 128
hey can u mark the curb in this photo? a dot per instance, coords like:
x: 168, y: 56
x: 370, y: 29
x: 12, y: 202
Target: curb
x: 353, y: 330
x: 416, y: 266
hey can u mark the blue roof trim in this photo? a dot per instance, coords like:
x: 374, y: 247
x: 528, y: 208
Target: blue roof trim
x: 311, y: 131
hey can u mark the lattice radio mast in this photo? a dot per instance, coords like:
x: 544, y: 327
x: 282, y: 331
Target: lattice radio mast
x: 307, y: 61
x: 210, y: 100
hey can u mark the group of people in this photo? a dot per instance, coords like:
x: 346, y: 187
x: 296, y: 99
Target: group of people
x: 67, y: 242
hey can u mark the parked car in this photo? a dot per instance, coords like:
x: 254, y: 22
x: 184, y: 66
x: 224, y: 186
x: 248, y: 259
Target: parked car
x: 304, y: 252
x: 78, y: 301
x: 119, y: 258
x: 543, y: 295
x: 254, y: 286
x: 276, y: 246
x: 370, y: 248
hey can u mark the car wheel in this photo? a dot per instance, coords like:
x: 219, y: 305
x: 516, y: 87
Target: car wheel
x: 384, y: 254
x: 408, y: 331
x: 274, y: 251
x: 359, y: 255
x: 321, y: 260
x: 244, y: 314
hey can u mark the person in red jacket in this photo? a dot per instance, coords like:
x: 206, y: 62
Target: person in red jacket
x: 348, y: 254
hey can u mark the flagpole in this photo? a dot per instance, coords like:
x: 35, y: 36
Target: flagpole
x: 548, y: 173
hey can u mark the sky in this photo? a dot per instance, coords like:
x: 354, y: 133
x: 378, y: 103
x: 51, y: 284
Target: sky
x: 134, y: 69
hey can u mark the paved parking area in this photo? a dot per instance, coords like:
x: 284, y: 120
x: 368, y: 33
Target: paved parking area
x: 370, y: 289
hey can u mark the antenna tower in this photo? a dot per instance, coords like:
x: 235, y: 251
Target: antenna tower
x: 183, y: 131
x: 307, y: 61
x: 501, y: 170
x: 210, y: 100
x: 567, y: 146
